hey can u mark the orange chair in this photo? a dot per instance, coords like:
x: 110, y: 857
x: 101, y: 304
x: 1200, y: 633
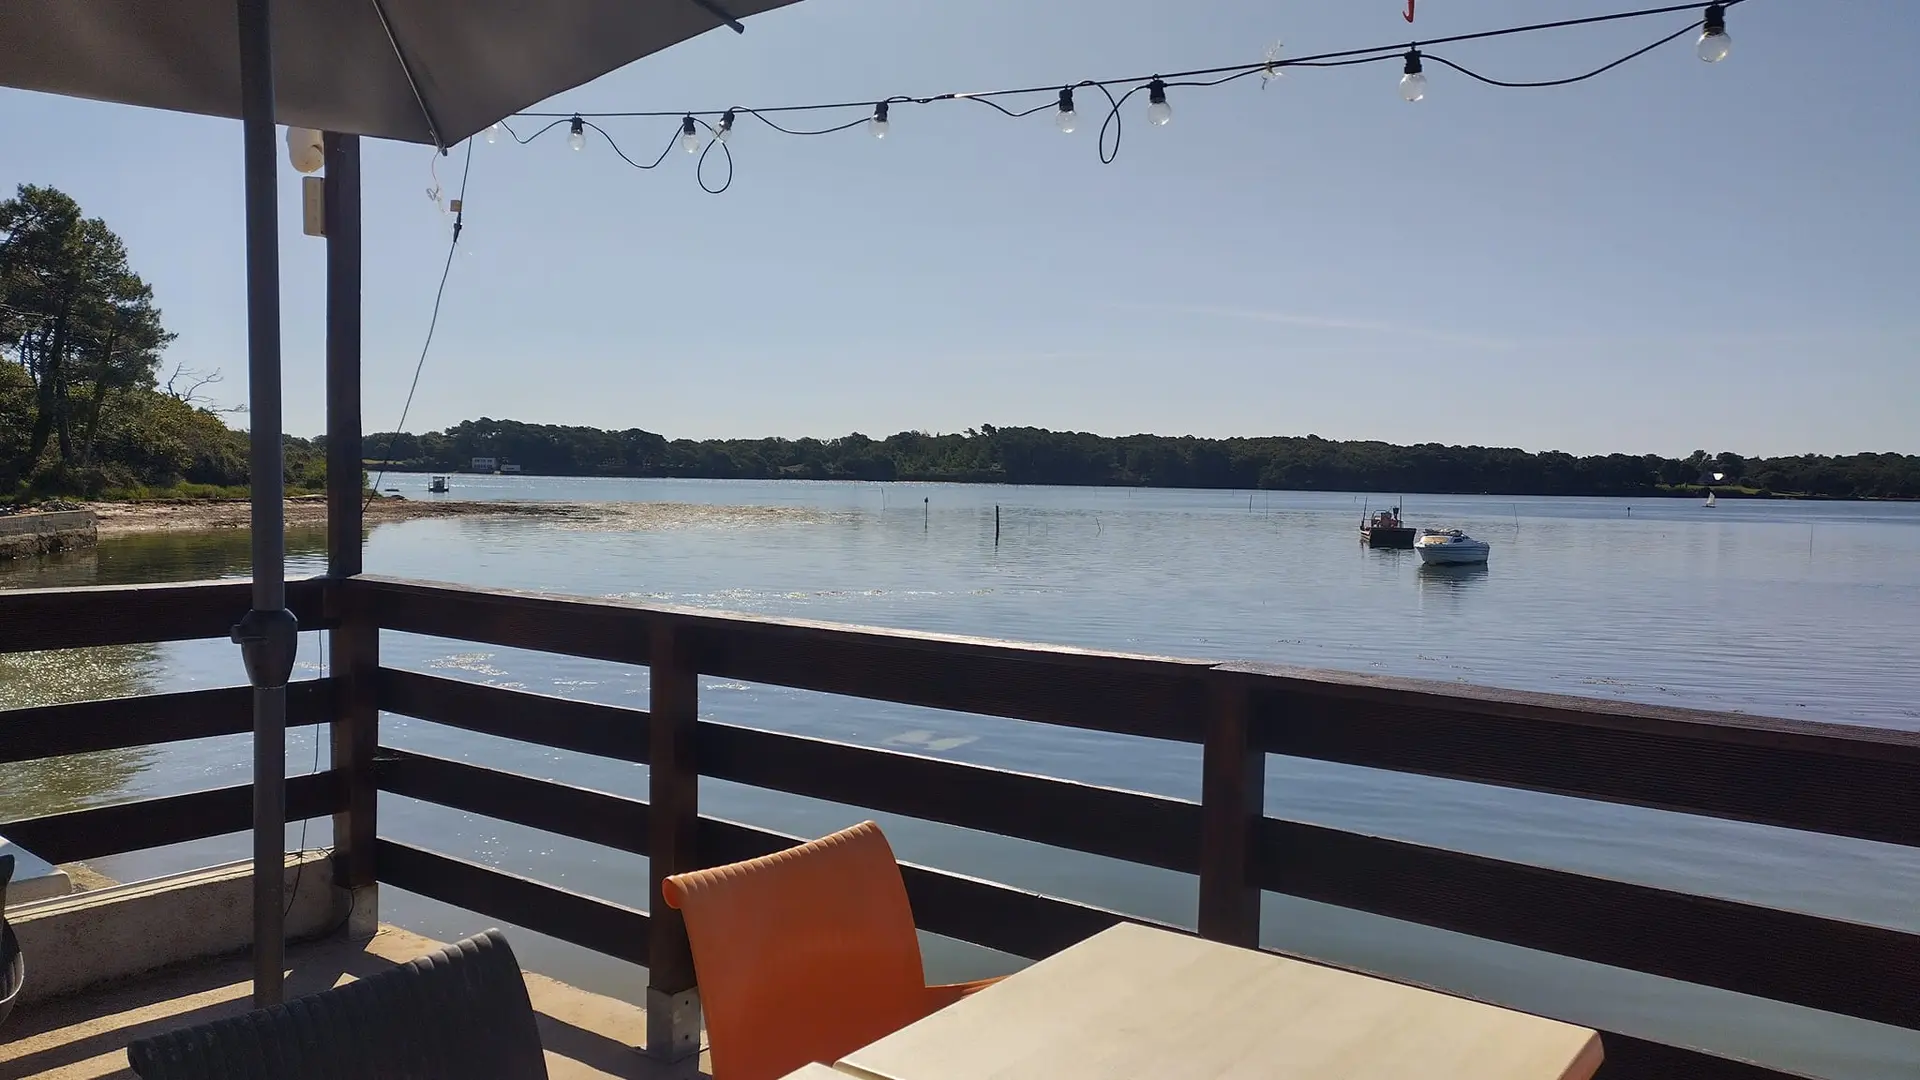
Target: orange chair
x: 805, y: 955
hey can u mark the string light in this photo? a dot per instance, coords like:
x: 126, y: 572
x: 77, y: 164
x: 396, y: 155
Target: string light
x: 1712, y: 47
x: 1159, y: 113
x: 1714, y: 42
x: 1413, y: 83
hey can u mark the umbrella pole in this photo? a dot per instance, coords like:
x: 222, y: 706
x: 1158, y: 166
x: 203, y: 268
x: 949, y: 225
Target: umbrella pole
x: 267, y: 635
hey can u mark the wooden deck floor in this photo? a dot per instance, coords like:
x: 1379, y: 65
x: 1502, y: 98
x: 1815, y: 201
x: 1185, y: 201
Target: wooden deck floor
x: 85, y: 1036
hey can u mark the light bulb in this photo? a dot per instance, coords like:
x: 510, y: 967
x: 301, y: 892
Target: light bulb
x: 1159, y: 113
x: 493, y: 134
x: 726, y: 127
x: 1413, y: 84
x: 1714, y: 42
x: 879, y: 124
x: 1065, y: 120
x: 689, y: 136
x: 305, y: 150
x: 577, y: 138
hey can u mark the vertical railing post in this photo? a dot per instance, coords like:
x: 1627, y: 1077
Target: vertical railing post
x: 354, y: 658
x: 1233, y: 796
x: 673, y: 816
x: 354, y: 649
x: 345, y: 455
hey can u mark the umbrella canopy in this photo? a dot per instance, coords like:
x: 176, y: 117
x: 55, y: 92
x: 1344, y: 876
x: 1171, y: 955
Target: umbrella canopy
x: 422, y: 71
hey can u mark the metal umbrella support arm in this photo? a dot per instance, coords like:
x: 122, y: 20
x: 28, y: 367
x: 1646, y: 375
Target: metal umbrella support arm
x: 268, y: 635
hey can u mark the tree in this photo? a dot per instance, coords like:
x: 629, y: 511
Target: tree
x: 81, y: 343
x: 76, y: 319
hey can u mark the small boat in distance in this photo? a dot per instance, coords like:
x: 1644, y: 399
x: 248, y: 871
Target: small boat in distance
x: 1450, y: 547
x: 1385, y: 530
x: 437, y: 485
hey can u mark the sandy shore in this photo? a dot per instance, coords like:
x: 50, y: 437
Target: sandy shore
x: 190, y: 515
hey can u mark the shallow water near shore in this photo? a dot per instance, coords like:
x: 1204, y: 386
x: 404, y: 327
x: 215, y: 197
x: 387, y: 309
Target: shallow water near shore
x: 1807, y: 610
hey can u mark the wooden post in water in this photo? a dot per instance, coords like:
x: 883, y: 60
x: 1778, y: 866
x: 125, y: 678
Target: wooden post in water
x: 673, y: 818
x: 927, y: 511
x: 996, y: 526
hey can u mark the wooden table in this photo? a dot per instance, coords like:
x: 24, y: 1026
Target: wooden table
x: 1133, y: 1002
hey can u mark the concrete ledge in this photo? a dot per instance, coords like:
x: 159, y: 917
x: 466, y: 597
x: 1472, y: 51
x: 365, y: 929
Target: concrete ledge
x: 74, y: 942
x: 33, y: 877
x: 43, y: 534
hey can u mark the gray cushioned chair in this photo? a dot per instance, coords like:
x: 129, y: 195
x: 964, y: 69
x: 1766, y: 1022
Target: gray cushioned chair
x: 457, y: 1014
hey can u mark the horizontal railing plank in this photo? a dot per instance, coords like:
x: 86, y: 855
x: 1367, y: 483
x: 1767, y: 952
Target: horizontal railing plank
x: 45, y: 731
x: 170, y: 819
x: 72, y: 618
x: 572, y: 626
x: 1134, y: 695
x: 584, y: 814
x: 1816, y: 777
x: 1628, y: 1058
x: 1843, y: 967
x: 1028, y: 924
x: 1135, y: 827
x: 604, y: 927
x: 542, y: 719
x: 1125, y: 695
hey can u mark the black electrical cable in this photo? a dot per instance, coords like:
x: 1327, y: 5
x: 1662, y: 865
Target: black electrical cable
x: 1315, y: 60
x: 300, y: 868
x: 623, y: 154
x: 1636, y: 54
x: 1111, y: 127
x: 433, y: 323
x: 700, y: 167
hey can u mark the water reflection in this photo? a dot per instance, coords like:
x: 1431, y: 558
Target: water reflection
x: 55, y: 785
x: 138, y: 558
x: 1452, y: 592
x: 1436, y: 577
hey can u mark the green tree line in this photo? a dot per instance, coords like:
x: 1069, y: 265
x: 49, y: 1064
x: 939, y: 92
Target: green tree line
x: 88, y: 406
x: 1038, y: 456
x: 84, y: 406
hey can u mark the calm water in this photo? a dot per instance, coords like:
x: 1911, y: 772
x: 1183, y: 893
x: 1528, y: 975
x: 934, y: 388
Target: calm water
x: 1800, y: 610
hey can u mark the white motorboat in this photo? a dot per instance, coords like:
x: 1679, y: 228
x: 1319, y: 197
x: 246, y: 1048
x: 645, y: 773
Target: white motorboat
x: 1450, y: 547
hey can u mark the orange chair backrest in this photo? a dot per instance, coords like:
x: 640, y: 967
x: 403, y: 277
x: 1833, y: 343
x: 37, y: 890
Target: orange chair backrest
x: 804, y: 955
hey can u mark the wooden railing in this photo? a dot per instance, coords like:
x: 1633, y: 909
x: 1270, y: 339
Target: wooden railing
x: 1811, y: 777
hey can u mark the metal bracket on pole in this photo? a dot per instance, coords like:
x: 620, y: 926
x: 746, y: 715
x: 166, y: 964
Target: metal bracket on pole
x: 268, y: 642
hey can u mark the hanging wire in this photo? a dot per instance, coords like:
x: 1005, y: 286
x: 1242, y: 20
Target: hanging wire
x: 700, y: 167
x: 1601, y: 70
x: 433, y: 323
x: 1111, y: 127
x: 1317, y: 60
x: 300, y: 850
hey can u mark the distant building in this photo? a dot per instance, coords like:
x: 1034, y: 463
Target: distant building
x: 485, y: 464
x: 508, y: 468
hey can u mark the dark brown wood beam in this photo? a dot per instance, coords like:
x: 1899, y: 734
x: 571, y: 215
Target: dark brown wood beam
x: 344, y: 454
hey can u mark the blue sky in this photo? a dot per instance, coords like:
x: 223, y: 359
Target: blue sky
x: 1674, y: 255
